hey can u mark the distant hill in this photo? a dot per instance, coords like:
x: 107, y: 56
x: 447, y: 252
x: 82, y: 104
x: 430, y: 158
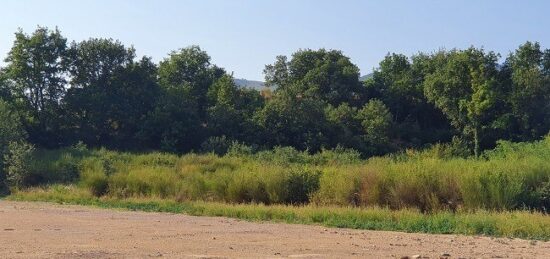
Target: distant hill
x: 365, y: 77
x: 249, y: 83
x: 259, y: 85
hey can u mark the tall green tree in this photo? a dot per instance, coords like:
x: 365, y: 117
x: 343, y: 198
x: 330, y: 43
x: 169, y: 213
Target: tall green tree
x: 324, y: 74
x: 231, y: 109
x: 464, y: 86
x: 93, y: 61
x: 529, y: 92
x: 179, y: 120
x: 35, y: 66
x: 110, y: 93
x: 398, y: 82
x: 190, y: 70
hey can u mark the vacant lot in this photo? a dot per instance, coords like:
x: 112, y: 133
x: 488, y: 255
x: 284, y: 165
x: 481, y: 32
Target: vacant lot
x: 48, y: 230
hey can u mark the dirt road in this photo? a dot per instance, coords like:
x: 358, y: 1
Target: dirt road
x: 29, y: 230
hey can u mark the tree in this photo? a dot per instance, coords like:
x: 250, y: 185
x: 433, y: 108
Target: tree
x: 36, y: 70
x: 326, y: 75
x: 529, y: 93
x: 231, y: 109
x: 345, y: 128
x: 173, y: 125
x: 110, y: 92
x: 179, y: 120
x: 190, y: 69
x: 376, y: 121
x: 464, y: 86
x: 299, y: 123
x: 398, y: 82
x: 92, y: 62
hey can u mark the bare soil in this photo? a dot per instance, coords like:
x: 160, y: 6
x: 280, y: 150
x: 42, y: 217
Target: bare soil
x: 44, y: 230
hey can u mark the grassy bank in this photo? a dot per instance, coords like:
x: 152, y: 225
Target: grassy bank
x: 518, y: 224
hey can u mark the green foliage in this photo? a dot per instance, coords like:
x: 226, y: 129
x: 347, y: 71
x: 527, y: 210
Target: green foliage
x: 464, y: 87
x: 110, y: 93
x: 376, y: 121
x: 513, y: 176
x: 299, y: 123
x: 36, y: 67
x: 98, y: 92
x: 398, y: 82
x: 322, y: 74
x: 16, y: 162
x: 529, y: 96
x: 301, y: 144
x: 11, y: 135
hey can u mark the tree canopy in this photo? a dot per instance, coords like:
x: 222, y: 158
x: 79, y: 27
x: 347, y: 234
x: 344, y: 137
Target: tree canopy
x: 99, y: 92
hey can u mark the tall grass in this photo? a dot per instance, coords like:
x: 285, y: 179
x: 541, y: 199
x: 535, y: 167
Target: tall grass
x: 513, y: 176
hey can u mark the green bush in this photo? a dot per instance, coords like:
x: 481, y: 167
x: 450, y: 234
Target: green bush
x: 16, y: 162
x: 301, y: 184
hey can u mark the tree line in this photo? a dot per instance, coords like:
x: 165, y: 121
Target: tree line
x: 56, y: 93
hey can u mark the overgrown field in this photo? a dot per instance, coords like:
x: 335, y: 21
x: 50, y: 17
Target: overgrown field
x: 513, y: 176
x: 505, y: 193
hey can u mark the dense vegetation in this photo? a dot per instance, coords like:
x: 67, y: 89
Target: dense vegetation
x: 512, y: 176
x: 100, y: 93
x: 110, y: 127
x: 414, y: 191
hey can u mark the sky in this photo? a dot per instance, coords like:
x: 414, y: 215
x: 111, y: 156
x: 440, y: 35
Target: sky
x: 244, y: 35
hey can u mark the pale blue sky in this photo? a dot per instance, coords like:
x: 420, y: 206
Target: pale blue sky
x: 244, y: 35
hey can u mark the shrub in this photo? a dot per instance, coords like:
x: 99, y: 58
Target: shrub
x: 11, y: 133
x: 301, y: 184
x: 16, y: 162
x: 218, y: 145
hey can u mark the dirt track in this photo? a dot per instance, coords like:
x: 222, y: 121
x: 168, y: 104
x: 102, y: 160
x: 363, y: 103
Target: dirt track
x: 48, y: 230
